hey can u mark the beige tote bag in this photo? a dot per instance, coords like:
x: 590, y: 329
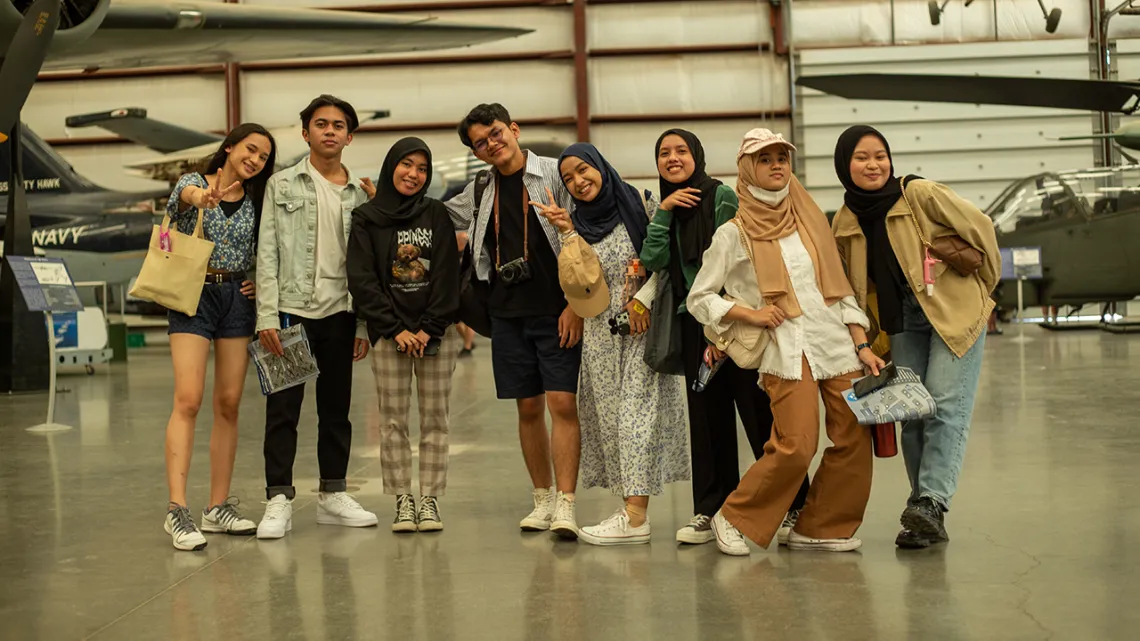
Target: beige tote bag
x: 175, y: 278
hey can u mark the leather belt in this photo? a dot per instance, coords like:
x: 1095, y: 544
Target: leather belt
x: 217, y: 279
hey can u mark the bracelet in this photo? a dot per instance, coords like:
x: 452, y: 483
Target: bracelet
x: 862, y: 346
x: 568, y: 235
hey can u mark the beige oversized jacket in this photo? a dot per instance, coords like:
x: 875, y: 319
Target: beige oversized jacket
x: 961, y: 305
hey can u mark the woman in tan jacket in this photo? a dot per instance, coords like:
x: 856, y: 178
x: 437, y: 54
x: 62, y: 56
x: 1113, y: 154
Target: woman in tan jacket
x: 936, y: 325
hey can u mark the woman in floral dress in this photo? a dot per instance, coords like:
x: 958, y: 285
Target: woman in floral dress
x: 634, y: 432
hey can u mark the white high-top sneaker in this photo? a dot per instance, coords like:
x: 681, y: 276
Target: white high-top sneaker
x: 564, y: 523
x: 539, y: 519
x: 278, y: 518
x: 338, y: 508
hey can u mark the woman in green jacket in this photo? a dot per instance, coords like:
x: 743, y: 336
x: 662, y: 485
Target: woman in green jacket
x: 692, y: 206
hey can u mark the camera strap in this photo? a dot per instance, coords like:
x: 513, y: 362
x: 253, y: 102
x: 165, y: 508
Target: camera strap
x: 526, y: 224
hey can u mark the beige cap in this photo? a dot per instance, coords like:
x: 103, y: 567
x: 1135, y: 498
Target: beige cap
x: 581, y: 277
x: 758, y: 139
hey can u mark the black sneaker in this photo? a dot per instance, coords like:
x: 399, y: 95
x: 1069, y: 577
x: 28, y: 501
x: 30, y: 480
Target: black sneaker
x: 405, y: 514
x: 908, y: 540
x: 429, y: 520
x: 925, y: 519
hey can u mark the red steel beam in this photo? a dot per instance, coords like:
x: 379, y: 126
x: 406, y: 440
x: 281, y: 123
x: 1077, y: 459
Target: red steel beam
x: 627, y: 52
x: 581, y: 72
x: 409, y: 61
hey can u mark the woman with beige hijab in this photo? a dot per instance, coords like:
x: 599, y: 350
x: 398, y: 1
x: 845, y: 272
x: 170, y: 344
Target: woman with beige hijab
x: 780, y: 271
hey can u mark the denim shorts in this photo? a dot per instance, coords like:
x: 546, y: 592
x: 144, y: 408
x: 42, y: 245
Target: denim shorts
x: 223, y: 312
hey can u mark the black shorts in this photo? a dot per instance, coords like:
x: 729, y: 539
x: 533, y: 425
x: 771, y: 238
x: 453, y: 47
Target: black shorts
x: 223, y: 312
x: 528, y: 359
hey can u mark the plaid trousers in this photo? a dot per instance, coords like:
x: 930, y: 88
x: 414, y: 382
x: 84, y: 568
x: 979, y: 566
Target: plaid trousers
x: 393, y: 372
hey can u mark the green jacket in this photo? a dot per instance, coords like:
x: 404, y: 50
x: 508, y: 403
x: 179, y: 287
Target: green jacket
x: 655, y: 251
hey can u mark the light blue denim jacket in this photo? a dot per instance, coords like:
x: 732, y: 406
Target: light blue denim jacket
x: 287, y: 241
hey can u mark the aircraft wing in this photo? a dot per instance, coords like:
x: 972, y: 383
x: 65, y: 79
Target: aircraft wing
x: 141, y: 33
x: 133, y: 124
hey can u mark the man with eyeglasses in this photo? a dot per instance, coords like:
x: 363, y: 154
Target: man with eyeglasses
x: 535, y: 335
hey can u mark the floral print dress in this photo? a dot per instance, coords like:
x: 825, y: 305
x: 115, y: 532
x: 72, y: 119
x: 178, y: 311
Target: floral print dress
x: 634, y: 430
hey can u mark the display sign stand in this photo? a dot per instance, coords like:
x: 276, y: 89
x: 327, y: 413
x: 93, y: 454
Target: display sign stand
x: 1026, y: 262
x: 47, y: 287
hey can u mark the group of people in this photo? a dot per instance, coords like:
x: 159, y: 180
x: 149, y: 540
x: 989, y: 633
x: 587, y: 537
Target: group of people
x: 573, y: 263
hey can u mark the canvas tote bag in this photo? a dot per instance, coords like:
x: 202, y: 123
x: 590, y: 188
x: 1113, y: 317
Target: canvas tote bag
x: 173, y: 277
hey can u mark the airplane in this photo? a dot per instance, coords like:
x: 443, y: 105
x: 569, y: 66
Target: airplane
x: 1083, y: 220
x: 103, y: 234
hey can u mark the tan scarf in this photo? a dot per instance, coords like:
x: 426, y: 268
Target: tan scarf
x: 765, y: 225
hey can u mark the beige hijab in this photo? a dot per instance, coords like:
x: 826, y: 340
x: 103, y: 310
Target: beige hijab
x: 766, y: 224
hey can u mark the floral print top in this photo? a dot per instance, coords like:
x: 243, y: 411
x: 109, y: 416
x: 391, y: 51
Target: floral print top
x: 232, y: 236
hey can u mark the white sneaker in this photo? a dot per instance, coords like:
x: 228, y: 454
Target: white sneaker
x: 787, y: 526
x: 539, y: 519
x: 615, y: 530
x: 564, y: 523
x: 697, y: 532
x: 182, y: 529
x: 728, y: 539
x: 798, y: 541
x: 278, y: 518
x: 225, y: 519
x: 338, y: 508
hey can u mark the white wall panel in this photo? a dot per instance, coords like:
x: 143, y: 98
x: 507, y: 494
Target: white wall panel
x: 840, y: 23
x: 103, y: 165
x: 539, y: 89
x: 192, y: 101
x: 678, y: 24
x: 688, y: 83
x: 630, y: 147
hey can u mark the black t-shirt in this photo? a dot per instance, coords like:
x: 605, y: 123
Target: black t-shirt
x: 411, y: 282
x: 542, y: 294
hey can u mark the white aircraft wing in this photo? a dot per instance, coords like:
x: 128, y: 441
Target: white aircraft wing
x: 142, y: 33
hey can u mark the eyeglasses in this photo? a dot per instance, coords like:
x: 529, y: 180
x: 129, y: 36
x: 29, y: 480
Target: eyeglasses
x: 496, y: 135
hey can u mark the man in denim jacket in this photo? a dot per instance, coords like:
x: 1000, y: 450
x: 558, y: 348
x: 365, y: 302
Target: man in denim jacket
x: 302, y: 279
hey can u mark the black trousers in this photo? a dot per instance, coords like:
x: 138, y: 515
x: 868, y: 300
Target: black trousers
x: 712, y: 423
x: 332, y: 341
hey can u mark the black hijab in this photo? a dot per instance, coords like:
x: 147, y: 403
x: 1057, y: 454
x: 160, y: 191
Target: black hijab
x: 695, y: 226
x: 871, y: 209
x: 390, y: 207
x: 617, y: 201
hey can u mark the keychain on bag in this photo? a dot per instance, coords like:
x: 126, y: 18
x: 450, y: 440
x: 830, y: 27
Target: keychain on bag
x: 928, y: 264
x: 164, y: 240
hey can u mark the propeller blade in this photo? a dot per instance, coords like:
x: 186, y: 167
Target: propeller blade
x: 24, y: 58
x: 1090, y: 95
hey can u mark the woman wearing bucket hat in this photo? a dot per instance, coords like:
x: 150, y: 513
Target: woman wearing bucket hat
x: 779, y: 265
x: 633, y: 419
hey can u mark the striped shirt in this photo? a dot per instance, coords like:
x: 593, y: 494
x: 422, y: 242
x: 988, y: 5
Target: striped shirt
x: 541, y: 174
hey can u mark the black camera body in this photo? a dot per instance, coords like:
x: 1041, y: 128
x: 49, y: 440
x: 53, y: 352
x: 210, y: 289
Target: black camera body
x: 619, y: 325
x: 515, y: 272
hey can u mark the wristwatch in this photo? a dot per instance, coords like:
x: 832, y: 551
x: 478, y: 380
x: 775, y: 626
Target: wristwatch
x: 861, y: 346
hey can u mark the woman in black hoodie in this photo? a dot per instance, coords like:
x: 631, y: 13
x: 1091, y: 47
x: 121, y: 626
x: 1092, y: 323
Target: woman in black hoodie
x: 403, y: 273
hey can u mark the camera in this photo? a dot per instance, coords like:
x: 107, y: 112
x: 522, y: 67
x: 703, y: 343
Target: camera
x: 619, y: 325
x: 515, y: 272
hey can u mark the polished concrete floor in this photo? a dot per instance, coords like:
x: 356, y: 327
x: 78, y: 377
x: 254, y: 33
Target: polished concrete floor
x: 1046, y: 530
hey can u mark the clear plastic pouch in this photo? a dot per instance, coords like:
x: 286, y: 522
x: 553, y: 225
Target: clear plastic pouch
x: 296, y: 367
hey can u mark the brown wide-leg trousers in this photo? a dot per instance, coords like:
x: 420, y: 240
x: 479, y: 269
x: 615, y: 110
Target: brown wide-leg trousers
x: 841, y: 486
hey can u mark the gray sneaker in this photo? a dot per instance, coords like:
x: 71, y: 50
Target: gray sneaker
x: 697, y: 532
x: 786, y: 528
x: 226, y: 519
x: 182, y: 529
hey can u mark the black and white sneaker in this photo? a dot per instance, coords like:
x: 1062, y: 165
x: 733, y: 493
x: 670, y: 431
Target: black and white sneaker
x: 405, y: 514
x: 789, y: 524
x: 225, y: 519
x: 698, y: 531
x: 429, y: 519
x: 182, y: 529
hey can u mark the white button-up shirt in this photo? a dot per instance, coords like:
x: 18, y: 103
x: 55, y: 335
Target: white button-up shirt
x: 820, y: 332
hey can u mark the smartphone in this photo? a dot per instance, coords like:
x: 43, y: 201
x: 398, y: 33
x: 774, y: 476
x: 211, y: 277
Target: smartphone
x: 868, y: 384
x: 432, y: 347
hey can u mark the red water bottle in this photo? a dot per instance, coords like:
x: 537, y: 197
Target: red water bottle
x: 883, y: 437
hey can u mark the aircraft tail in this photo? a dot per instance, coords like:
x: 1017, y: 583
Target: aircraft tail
x: 45, y: 171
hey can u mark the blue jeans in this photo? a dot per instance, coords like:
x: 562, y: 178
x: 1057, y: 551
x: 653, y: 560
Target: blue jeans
x: 933, y: 448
